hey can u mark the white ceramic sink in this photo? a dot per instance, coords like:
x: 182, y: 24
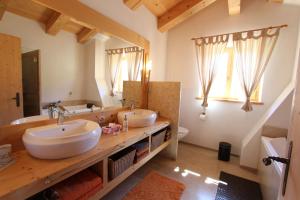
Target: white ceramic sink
x: 62, y: 141
x: 138, y: 117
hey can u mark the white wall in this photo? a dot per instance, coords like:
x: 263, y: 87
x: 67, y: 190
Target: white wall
x: 140, y: 21
x: 62, y: 58
x: 226, y: 121
x: 92, y: 91
x: 282, y: 116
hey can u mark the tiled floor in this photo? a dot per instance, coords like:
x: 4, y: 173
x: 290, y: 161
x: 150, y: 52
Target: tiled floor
x: 193, y: 158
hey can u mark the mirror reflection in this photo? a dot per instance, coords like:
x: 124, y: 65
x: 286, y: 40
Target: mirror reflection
x: 73, y: 78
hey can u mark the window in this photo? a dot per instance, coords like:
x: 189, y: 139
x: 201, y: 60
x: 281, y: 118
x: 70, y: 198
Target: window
x: 226, y: 85
x: 123, y: 71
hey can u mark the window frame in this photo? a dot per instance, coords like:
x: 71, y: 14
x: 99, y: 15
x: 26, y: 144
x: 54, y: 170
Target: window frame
x: 256, y: 96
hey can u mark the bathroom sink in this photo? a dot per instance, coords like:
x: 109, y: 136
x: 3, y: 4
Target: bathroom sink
x: 62, y: 141
x: 138, y: 117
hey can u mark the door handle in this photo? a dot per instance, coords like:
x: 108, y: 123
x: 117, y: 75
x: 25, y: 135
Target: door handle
x: 267, y: 161
x: 17, y: 99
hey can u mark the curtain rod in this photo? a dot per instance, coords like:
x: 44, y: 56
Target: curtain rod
x: 281, y: 26
x: 132, y: 49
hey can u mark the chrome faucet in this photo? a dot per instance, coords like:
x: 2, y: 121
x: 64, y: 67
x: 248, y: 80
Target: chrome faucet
x: 132, y: 105
x: 61, y: 114
x: 52, y: 108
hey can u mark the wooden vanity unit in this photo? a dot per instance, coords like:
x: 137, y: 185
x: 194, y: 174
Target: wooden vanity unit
x: 28, y: 175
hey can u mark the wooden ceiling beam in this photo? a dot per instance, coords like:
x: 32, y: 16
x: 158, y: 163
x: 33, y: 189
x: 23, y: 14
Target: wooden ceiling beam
x: 95, y: 20
x: 3, y: 6
x: 276, y: 1
x: 234, y: 7
x: 86, y: 34
x: 133, y: 4
x: 180, y: 12
x: 56, y: 23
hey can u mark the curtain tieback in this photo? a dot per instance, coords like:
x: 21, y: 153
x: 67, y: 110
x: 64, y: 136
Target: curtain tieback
x: 248, y: 105
x: 204, y: 103
x: 112, y: 93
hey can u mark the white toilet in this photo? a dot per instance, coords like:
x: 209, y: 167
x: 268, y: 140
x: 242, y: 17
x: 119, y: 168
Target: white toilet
x: 182, y: 132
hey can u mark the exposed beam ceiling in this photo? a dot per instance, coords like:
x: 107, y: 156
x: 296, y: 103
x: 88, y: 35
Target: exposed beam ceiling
x: 133, y: 4
x: 86, y: 34
x: 3, y: 6
x: 92, y: 19
x: 56, y: 23
x: 234, y: 7
x: 181, y: 12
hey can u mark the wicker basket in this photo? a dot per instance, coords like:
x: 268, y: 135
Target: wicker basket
x: 158, y: 139
x: 121, y: 161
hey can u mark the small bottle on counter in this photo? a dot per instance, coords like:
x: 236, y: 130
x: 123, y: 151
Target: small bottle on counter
x: 125, y: 124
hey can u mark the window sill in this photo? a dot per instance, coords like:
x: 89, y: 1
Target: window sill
x: 228, y: 100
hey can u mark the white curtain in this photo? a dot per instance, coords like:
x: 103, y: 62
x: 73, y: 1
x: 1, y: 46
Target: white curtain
x: 208, y: 51
x: 134, y: 61
x: 114, y: 70
x: 252, y: 51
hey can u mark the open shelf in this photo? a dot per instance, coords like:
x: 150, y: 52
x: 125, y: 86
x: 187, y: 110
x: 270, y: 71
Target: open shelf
x: 116, y: 181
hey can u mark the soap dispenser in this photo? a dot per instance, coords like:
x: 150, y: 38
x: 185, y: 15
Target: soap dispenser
x: 125, y: 124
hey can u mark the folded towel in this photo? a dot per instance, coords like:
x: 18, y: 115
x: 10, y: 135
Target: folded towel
x: 79, y: 187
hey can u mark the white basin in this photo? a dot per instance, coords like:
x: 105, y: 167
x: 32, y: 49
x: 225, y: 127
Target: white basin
x: 62, y: 141
x: 29, y: 119
x: 138, y: 117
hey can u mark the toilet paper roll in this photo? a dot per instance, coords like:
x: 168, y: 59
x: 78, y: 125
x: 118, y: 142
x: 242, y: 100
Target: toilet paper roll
x: 202, y: 116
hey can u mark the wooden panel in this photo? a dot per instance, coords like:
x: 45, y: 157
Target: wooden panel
x: 159, y: 7
x: 93, y: 19
x: 133, y: 4
x: 3, y: 6
x: 86, y: 34
x: 56, y: 23
x: 30, y: 175
x: 10, y: 79
x: 234, y: 7
x: 181, y: 12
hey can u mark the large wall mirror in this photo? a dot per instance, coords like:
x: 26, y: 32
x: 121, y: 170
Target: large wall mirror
x: 80, y: 77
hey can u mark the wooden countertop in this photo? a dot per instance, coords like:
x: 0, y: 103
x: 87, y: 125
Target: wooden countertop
x: 28, y: 174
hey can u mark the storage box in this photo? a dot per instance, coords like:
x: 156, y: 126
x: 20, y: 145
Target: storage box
x: 120, y: 161
x: 158, y: 139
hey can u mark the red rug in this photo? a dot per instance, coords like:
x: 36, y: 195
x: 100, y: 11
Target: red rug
x: 156, y: 187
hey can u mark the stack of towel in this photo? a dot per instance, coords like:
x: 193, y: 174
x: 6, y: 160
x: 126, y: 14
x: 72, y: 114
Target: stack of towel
x: 142, y: 150
x: 80, y: 186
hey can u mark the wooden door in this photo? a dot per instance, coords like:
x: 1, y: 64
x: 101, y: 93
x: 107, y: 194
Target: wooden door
x: 292, y: 191
x: 30, y: 81
x: 11, y: 101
